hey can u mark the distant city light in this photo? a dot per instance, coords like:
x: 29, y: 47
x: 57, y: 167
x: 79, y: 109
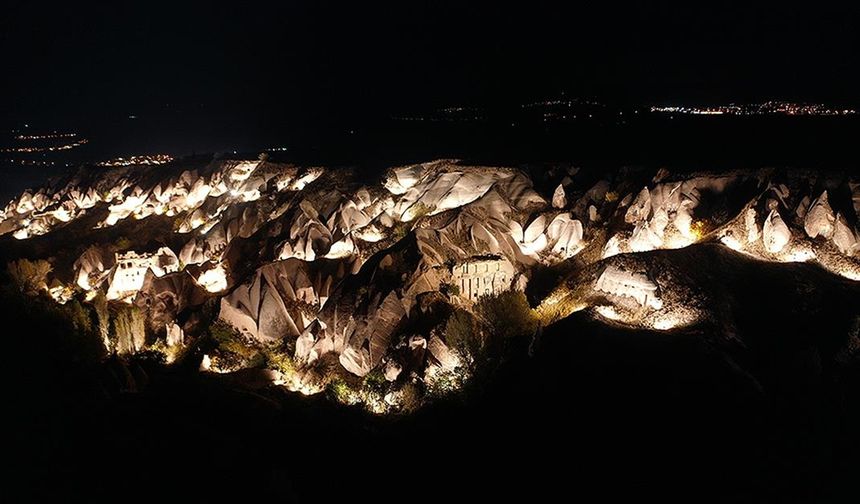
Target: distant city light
x: 766, y: 108
x: 45, y: 137
x: 53, y: 148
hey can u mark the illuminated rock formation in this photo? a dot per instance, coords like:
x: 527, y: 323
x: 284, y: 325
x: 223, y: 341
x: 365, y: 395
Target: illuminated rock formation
x: 775, y: 234
x: 844, y: 237
x: 819, y: 219
x: 344, y: 271
x: 559, y: 199
x: 633, y: 285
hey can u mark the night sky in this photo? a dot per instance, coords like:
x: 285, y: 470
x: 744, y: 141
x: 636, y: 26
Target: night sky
x: 299, y: 64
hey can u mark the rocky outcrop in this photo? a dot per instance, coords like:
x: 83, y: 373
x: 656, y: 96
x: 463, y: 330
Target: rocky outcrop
x: 340, y: 271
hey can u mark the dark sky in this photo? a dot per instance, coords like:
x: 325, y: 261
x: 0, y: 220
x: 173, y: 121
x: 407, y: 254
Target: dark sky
x: 317, y: 61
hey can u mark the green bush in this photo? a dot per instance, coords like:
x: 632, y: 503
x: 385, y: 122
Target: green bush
x: 410, y: 398
x: 375, y: 381
x: 31, y: 277
x: 449, y: 289
x: 340, y: 391
x: 400, y: 230
x: 279, y: 359
x: 507, y: 315
x: 229, y: 341
x: 122, y: 243
x: 462, y: 332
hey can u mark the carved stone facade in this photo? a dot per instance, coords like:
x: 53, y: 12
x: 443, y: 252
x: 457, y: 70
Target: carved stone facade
x: 482, y: 276
x: 131, y: 268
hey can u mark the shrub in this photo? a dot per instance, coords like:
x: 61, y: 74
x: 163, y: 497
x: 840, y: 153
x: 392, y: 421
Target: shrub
x: 129, y: 329
x: 222, y: 332
x: 462, y: 332
x: 443, y: 383
x: 235, y: 351
x: 278, y: 359
x: 122, y: 243
x: 400, y: 230
x: 410, y: 398
x: 375, y: 381
x: 79, y: 317
x: 340, y: 391
x: 31, y: 277
x: 100, y: 305
x: 229, y: 340
x: 450, y: 289
x: 507, y: 315
x: 154, y: 356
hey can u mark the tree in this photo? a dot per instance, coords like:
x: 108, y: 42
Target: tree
x: 100, y: 305
x: 130, y: 330
x: 31, y: 277
x: 462, y: 332
x: 507, y: 315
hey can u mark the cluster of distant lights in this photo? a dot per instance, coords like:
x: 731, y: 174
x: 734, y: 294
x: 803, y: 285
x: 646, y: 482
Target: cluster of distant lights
x: 52, y: 148
x: 33, y: 162
x: 561, y: 103
x: 447, y: 114
x: 49, y: 136
x: 444, y: 118
x: 151, y: 159
x: 766, y: 108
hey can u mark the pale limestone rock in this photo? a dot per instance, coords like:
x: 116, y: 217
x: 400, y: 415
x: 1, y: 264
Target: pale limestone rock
x: 356, y: 360
x: 844, y: 238
x: 819, y: 219
x: 633, y: 285
x: 175, y: 336
x: 644, y: 238
x: 683, y: 220
x: 659, y: 221
x: 392, y: 370
x: 753, y: 232
x: 666, y: 197
x: 640, y: 209
x: 446, y: 358
x: 531, y: 240
x: 612, y: 247
x: 559, y: 199
x: 91, y: 267
x: 775, y: 234
x: 367, y: 346
x: 565, y: 234
x: 519, y: 190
